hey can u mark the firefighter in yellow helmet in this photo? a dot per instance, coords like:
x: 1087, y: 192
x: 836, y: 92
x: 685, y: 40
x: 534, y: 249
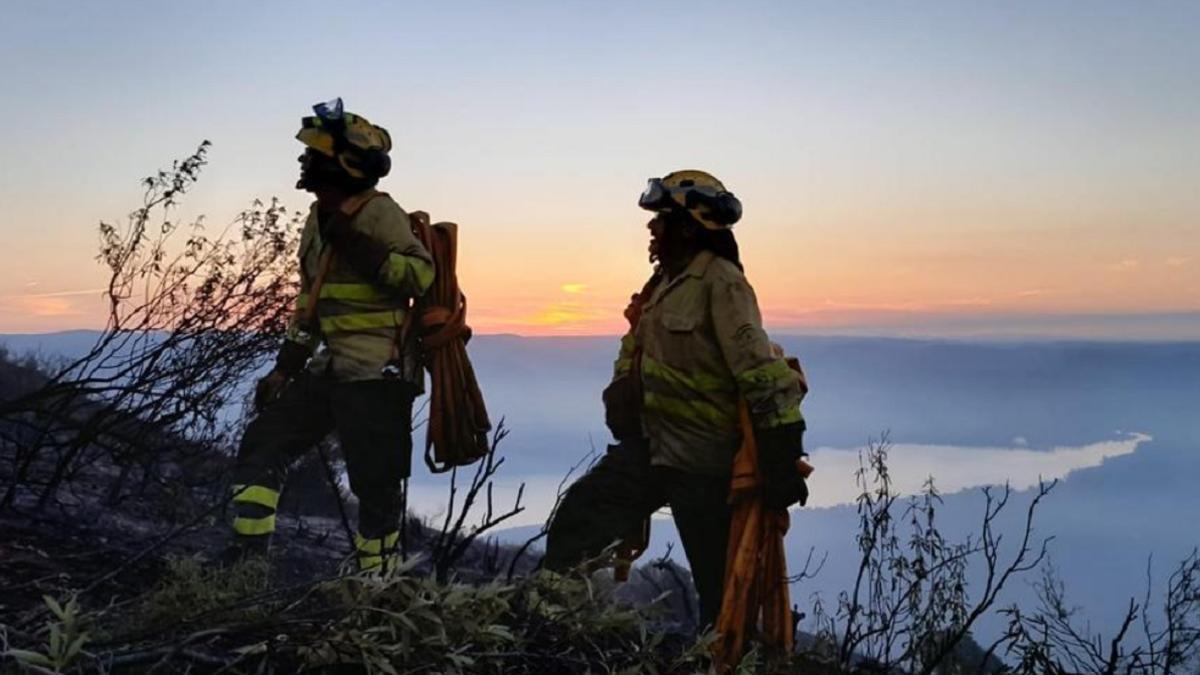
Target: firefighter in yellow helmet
x: 695, y: 347
x: 342, y: 366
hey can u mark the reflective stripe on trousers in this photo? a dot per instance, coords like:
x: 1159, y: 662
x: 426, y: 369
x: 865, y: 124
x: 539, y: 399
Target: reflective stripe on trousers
x: 371, y: 552
x: 256, y: 505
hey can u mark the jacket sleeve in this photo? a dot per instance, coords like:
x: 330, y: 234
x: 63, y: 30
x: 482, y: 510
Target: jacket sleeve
x: 397, y: 260
x: 298, y: 335
x: 624, y: 363
x: 771, y: 388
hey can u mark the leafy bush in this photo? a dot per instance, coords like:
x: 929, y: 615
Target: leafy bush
x: 65, y: 639
x: 189, y: 589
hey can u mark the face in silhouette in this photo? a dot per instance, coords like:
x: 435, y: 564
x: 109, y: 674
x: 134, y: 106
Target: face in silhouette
x: 672, y: 239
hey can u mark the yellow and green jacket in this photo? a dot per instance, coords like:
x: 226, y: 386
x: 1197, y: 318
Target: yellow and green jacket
x: 358, y: 317
x: 702, y: 347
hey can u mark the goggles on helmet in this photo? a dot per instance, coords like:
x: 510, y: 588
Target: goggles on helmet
x: 330, y: 110
x: 656, y: 196
x: 330, y: 118
x: 706, y: 200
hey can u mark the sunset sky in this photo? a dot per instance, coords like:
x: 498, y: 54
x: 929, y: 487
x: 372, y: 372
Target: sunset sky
x: 906, y: 168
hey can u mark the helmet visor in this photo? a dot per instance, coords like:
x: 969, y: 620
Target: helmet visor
x: 330, y: 111
x: 655, y: 197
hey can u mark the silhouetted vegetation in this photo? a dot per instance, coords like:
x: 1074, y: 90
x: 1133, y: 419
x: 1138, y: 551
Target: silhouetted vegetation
x: 189, y: 315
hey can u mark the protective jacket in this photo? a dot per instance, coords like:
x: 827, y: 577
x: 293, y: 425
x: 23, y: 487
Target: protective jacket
x: 359, y: 312
x: 701, y: 345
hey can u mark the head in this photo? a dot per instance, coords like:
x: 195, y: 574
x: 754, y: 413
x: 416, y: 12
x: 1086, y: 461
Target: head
x: 693, y: 212
x: 674, y: 238
x: 345, y: 153
x: 322, y: 174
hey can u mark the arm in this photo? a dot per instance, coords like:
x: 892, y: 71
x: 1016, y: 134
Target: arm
x: 380, y: 245
x: 633, y: 314
x: 302, y: 335
x: 299, y: 341
x: 623, y: 396
x: 771, y: 389
x: 623, y: 366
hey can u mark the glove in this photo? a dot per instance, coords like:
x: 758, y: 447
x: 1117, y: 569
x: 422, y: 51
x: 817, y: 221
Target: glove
x: 291, y: 360
x: 363, y: 252
x: 268, y: 389
x: 622, y: 408
x: 778, y: 450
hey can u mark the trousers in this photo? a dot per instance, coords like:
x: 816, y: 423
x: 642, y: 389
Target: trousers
x: 373, y: 422
x: 623, y: 489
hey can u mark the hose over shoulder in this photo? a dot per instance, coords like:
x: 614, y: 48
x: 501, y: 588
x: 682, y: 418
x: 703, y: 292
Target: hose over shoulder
x: 458, y: 419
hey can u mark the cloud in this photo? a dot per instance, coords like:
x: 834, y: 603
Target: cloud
x: 958, y: 468
x: 1034, y: 293
x: 60, y: 294
x: 1127, y: 265
x: 830, y: 303
x: 563, y: 314
x: 54, y: 304
x: 970, y: 302
x: 575, y: 312
x: 1177, y: 262
x: 48, y: 307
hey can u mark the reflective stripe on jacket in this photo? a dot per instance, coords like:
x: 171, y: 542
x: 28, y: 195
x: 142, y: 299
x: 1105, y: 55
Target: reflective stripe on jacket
x: 358, y: 317
x: 703, y: 346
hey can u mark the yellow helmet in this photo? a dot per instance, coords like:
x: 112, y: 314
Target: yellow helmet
x: 361, y: 148
x: 697, y: 192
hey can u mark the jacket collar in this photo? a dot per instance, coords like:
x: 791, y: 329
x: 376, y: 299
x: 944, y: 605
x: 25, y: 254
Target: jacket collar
x: 695, y: 269
x: 699, y: 264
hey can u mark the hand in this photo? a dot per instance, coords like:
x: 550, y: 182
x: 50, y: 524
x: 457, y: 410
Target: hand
x: 778, y: 450
x: 268, y: 389
x: 622, y: 408
x: 633, y: 311
x: 781, y: 492
x: 364, y: 252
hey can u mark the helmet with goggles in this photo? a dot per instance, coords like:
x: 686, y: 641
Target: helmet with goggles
x: 698, y: 193
x: 361, y: 148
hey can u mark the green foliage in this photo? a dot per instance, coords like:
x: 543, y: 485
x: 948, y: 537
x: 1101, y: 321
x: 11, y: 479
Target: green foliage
x: 65, y: 638
x: 189, y: 589
x: 543, y: 623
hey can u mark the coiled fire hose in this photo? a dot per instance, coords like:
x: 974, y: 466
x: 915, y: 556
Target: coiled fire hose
x: 458, y: 419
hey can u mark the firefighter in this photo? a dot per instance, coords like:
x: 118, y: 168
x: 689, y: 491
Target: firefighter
x: 342, y: 366
x: 696, y: 346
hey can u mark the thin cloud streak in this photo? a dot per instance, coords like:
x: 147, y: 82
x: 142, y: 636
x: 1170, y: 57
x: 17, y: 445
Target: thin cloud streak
x: 55, y: 294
